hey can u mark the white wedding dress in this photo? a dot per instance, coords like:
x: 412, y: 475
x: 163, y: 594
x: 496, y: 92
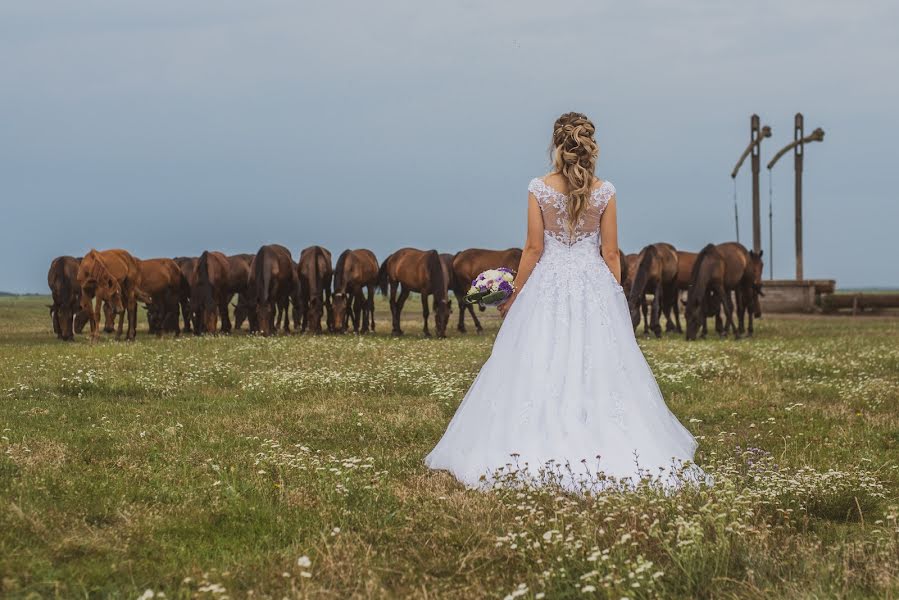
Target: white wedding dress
x: 566, y: 381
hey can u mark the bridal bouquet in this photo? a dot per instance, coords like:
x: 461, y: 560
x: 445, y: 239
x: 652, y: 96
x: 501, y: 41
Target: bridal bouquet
x: 491, y: 287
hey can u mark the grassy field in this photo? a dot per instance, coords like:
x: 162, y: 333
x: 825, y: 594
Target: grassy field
x: 292, y: 467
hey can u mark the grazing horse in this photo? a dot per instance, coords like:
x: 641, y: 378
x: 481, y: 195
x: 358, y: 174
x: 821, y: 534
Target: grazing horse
x: 111, y: 276
x: 629, y: 265
x: 238, y: 283
x: 163, y: 281
x: 467, y: 265
x: 187, y: 264
x: 708, y: 286
x: 417, y: 271
x: 656, y: 273
x: 313, y: 298
x: 209, y: 292
x: 63, y: 281
x: 356, y: 270
x: 744, y: 277
x: 271, y: 284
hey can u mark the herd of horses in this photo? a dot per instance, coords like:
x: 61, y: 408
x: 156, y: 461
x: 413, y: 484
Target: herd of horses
x: 269, y: 288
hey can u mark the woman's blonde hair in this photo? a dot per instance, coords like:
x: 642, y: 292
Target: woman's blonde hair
x: 574, y: 153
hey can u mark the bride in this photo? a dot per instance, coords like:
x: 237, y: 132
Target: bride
x: 566, y: 390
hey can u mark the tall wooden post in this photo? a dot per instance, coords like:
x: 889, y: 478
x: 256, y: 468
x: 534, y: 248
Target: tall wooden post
x: 754, y: 127
x: 798, y: 153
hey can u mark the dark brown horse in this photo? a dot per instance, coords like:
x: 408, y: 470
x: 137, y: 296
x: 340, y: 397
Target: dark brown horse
x: 187, y: 264
x: 467, y: 265
x: 416, y: 271
x: 209, y: 292
x: 66, y: 308
x: 238, y: 283
x: 271, y: 284
x: 314, y: 274
x: 656, y: 274
x: 111, y: 276
x: 356, y: 270
x: 744, y: 277
x: 709, y: 285
x: 162, y: 279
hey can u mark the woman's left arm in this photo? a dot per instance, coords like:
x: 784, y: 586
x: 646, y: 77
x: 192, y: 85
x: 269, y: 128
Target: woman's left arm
x: 608, y: 233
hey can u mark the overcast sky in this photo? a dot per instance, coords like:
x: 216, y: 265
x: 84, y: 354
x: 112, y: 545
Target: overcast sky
x: 167, y: 128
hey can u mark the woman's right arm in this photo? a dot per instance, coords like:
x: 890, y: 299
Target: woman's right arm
x: 531, y: 253
x: 608, y: 234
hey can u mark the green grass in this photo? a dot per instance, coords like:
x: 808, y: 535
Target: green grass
x: 208, y: 467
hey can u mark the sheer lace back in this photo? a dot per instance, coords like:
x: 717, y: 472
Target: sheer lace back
x: 554, y: 205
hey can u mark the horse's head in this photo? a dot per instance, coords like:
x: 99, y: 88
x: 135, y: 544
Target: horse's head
x: 65, y: 313
x: 109, y: 290
x: 265, y: 316
x: 339, y: 310
x: 634, y: 307
x: 314, y: 313
x: 694, y: 313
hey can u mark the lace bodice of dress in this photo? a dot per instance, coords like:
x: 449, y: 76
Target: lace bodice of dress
x: 554, y: 205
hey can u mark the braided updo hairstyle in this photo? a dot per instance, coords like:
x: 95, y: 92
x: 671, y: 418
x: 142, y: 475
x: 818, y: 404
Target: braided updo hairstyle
x: 574, y: 153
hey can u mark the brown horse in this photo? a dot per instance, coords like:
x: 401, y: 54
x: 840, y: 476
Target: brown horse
x: 63, y: 281
x: 187, y: 264
x: 271, y: 284
x: 417, y: 271
x: 656, y: 273
x: 209, y: 292
x: 744, y: 278
x: 314, y: 274
x: 467, y: 265
x: 710, y: 283
x: 356, y: 270
x: 238, y: 283
x: 162, y: 279
x: 111, y: 276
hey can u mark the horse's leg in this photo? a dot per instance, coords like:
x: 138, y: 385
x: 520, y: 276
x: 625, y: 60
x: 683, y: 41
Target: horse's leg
x: 645, y: 310
x: 371, y: 306
x: 751, y: 301
x: 360, y: 311
x: 728, y: 313
x: 94, y: 307
x: 400, y: 302
x: 477, y: 323
x: 669, y: 302
x: 677, y: 310
x: 122, y: 314
x: 131, y: 309
x: 395, y: 308
x: 461, y: 326
x: 425, y: 313
x: 741, y: 308
x: 655, y: 326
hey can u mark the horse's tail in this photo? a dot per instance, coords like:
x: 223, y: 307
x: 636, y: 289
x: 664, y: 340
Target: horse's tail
x: 316, y: 280
x: 642, y: 274
x: 59, y: 277
x: 339, y: 274
x: 263, y: 276
x: 204, y: 286
x: 383, y: 280
x: 436, y: 275
x: 696, y: 285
